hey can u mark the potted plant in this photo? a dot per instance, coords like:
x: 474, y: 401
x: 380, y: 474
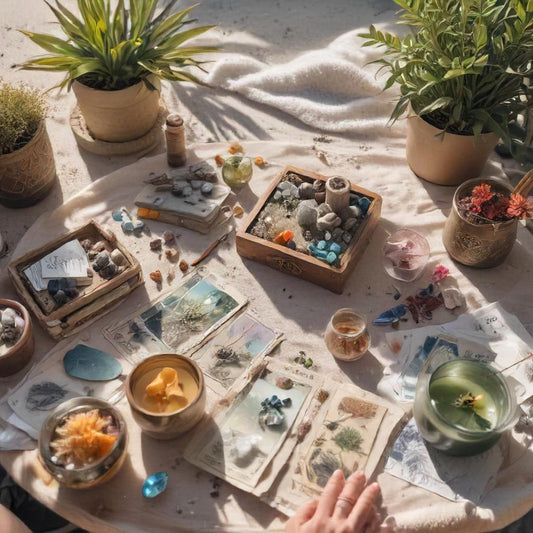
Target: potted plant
x: 114, y: 60
x: 481, y: 228
x: 462, y: 72
x: 27, y: 168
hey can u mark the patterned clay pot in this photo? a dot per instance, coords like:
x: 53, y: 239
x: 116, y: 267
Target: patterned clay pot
x: 449, y: 159
x: 119, y: 116
x: 27, y: 175
x: 478, y: 245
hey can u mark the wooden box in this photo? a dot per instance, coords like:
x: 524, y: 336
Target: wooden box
x: 299, y: 264
x: 93, y: 300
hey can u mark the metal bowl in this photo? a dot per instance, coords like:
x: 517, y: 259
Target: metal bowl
x: 95, y: 473
x: 167, y: 425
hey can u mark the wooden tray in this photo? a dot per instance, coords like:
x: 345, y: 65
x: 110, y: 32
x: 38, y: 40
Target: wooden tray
x: 296, y: 263
x: 93, y: 301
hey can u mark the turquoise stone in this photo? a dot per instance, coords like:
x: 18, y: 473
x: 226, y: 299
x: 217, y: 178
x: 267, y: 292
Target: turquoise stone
x: 155, y: 484
x: 364, y: 204
x: 331, y: 258
x: 117, y: 215
x: 88, y: 363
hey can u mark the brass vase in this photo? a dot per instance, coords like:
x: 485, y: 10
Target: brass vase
x: 481, y: 245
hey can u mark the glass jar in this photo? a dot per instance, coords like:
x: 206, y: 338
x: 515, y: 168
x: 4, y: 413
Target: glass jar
x: 346, y: 335
x: 463, y: 406
x: 237, y: 171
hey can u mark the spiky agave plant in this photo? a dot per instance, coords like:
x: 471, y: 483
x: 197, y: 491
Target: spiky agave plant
x: 464, y: 66
x: 112, y: 49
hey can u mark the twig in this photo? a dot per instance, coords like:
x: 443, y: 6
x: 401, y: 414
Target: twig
x: 210, y: 249
x: 517, y: 362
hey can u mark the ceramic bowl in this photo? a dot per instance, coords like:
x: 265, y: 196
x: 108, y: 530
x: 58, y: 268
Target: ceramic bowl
x: 95, y: 473
x: 19, y: 355
x: 167, y: 425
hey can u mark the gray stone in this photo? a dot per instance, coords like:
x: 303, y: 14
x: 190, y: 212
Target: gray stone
x: 294, y: 191
x: 319, y: 186
x: 286, y: 193
x: 351, y: 211
x: 196, y: 184
x: 324, y: 209
x: 206, y: 189
x: 277, y: 196
x: 350, y: 224
x: 328, y: 222
x: 337, y: 234
x: 308, y: 236
x: 306, y: 215
x: 347, y: 237
x: 327, y: 236
x: 306, y: 191
x: 88, y: 363
x: 284, y: 185
x: 320, y: 197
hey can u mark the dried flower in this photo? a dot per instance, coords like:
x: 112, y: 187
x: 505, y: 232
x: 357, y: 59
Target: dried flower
x: 480, y: 195
x: 439, y: 273
x: 520, y: 207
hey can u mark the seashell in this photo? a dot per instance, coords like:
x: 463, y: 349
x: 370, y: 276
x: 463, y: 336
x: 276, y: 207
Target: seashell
x: 169, y: 237
x: 172, y: 254
x: 118, y: 257
x: 8, y: 317
x: 156, y: 244
x: 238, y: 211
x: 184, y: 266
x: 156, y: 276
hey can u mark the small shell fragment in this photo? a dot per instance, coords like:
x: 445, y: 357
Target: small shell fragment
x: 172, y: 254
x: 184, y: 266
x: 238, y: 211
x: 156, y: 276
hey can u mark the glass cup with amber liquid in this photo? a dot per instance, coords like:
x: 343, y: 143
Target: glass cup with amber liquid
x: 346, y: 335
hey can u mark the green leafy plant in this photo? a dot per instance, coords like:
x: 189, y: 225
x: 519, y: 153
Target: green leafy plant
x: 22, y: 110
x: 113, y: 49
x: 465, y: 64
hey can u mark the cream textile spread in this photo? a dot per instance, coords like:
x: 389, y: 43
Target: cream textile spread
x: 301, y: 310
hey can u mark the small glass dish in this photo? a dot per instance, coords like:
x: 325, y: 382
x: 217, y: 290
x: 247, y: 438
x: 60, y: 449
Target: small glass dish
x: 346, y: 335
x: 94, y: 471
x: 237, y: 171
x: 405, y: 255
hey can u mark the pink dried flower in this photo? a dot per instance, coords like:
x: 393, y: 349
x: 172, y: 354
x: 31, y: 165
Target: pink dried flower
x: 520, y: 207
x: 439, y: 273
x: 496, y: 210
x: 480, y: 195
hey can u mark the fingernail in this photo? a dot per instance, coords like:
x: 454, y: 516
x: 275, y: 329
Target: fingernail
x: 356, y: 475
x: 376, y: 486
x: 338, y: 474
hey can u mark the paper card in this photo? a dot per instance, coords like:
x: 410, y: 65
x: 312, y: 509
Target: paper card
x: 454, y: 478
x: 236, y: 445
x: 225, y: 357
x: 178, y: 321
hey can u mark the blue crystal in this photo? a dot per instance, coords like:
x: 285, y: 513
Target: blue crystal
x: 155, y: 484
x: 88, y: 363
x: 291, y: 245
x: 364, y: 204
x: 335, y: 248
x: 331, y: 257
x: 138, y: 225
x: 391, y: 316
x: 117, y: 215
x: 321, y: 245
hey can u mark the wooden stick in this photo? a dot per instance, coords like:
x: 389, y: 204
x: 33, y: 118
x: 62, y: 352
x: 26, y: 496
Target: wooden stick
x: 525, y: 184
x: 210, y: 249
x: 517, y: 362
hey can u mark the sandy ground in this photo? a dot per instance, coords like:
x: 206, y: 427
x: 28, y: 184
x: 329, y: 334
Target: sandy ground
x: 273, y: 32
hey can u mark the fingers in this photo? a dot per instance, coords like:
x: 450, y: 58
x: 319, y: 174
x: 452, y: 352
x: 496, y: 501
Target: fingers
x: 330, y: 494
x: 364, y: 507
x: 373, y: 523
x: 301, y: 516
x: 350, y: 493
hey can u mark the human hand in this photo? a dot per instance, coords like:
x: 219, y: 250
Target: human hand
x: 345, y: 506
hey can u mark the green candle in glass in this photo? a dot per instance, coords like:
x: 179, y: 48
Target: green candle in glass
x: 463, y: 407
x: 237, y: 171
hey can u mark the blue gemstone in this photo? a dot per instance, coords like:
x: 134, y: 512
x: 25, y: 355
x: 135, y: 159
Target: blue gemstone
x: 291, y: 245
x: 155, y: 484
x: 321, y: 245
x: 335, y: 248
x: 364, y: 204
x: 331, y: 257
x: 391, y: 316
x: 117, y: 215
x: 138, y: 225
x: 88, y: 363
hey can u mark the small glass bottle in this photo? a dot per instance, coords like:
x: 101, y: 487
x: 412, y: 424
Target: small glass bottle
x: 175, y: 136
x: 346, y: 336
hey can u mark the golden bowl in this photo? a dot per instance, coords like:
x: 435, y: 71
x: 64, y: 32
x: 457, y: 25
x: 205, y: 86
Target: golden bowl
x: 94, y: 473
x: 173, y: 424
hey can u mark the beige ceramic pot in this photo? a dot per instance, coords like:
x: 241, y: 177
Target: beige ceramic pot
x: 449, y: 159
x: 27, y: 175
x: 478, y: 245
x: 119, y: 116
x: 166, y: 425
x: 19, y: 355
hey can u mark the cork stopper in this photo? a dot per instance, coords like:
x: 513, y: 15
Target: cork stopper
x: 174, y: 121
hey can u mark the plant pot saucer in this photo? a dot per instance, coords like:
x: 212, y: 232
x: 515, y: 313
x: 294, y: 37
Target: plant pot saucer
x: 141, y: 145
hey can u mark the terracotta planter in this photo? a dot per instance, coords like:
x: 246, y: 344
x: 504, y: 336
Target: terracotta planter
x: 449, y: 159
x: 478, y: 245
x: 28, y: 174
x: 119, y: 116
x: 20, y: 354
